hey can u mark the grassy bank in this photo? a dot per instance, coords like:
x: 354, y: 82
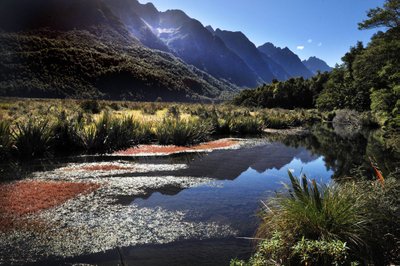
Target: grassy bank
x: 35, y: 128
x: 38, y: 128
x: 351, y: 223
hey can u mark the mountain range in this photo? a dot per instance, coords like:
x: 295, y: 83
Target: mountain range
x: 122, y: 49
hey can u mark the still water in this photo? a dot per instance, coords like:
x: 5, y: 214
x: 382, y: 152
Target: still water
x: 187, y: 209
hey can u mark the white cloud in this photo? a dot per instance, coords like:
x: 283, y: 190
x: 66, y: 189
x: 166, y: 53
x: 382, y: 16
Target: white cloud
x: 300, y: 47
x: 320, y: 44
x: 309, y: 40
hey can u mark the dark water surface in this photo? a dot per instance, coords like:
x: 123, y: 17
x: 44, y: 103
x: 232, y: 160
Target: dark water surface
x: 241, y: 179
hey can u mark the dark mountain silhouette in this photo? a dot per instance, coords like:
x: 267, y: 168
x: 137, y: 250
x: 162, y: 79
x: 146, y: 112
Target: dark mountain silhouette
x: 315, y: 64
x: 56, y: 48
x: 242, y: 46
x: 287, y: 59
x: 122, y: 49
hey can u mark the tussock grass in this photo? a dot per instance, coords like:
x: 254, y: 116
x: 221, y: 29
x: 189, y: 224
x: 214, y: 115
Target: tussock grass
x: 182, y: 132
x: 108, y: 134
x: 338, y: 224
x: 5, y: 139
x: 32, y: 139
x: 244, y: 125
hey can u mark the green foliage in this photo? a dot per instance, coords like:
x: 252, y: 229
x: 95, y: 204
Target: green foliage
x: 173, y: 112
x: 283, y: 119
x: 32, y: 139
x: 181, y: 132
x: 243, y: 125
x: 321, y: 252
x: 109, y: 134
x: 5, y: 139
x: 339, y: 224
x: 97, y: 63
x: 293, y: 93
x: 388, y: 16
x: 91, y: 106
x: 367, y: 80
x: 66, y: 134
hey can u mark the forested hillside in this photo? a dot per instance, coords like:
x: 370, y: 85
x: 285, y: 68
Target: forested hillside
x: 80, y: 49
x: 368, y: 78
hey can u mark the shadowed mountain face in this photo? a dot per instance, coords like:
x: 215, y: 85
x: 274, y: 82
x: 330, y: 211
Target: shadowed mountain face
x: 223, y: 54
x: 81, y: 49
x: 242, y: 46
x: 187, y: 38
x: 121, y: 49
x: 315, y: 64
x: 287, y: 59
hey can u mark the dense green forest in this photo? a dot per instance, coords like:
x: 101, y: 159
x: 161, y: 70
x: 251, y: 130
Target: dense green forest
x: 367, y: 80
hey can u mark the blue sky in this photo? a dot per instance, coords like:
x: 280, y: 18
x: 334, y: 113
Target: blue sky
x: 324, y: 28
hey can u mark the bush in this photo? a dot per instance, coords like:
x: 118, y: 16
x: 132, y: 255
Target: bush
x: 5, y: 139
x: 91, y: 106
x: 109, y: 134
x: 181, y: 132
x: 32, y: 140
x: 66, y: 135
x: 243, y: 125
x: 340, y: 224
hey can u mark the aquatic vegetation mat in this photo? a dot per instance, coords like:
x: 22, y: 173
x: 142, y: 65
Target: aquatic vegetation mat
x: 146, y: 150
x: 26, y: 197
x: 93, y: 222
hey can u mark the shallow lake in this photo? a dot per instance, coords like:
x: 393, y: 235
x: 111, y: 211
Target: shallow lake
x: 182, y: 209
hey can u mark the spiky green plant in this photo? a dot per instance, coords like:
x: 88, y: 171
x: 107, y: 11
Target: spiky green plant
x: 181, y: 132
x: 66, y: 136
x: 316, y: 213
x: 32, y: 139
x: 5, y: 139
x: 109, y: 134
x: 325, y: 213
x: 243, y: 125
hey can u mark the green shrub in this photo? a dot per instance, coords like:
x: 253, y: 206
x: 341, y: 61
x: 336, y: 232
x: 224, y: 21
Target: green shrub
x: 278, y: 123
x: 306, y: 252
x: 181, y: 132
x: 321, y: 252
x: 173, y: 112
x: 32, y: 139
x: 283, y: 119
x: 243, y: 125
x: 109, y: 134
x: 91, y: 106
x: 5, y: 139
x: 340, y: 224
x: 328, y: 213
x: 66, y: 134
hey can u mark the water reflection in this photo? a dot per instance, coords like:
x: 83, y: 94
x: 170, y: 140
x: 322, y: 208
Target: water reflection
x: 241, y: 179
x: 236, y: 201
x: 347, y: 155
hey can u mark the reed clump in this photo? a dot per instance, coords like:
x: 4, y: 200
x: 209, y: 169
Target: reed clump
x: 351, y: 223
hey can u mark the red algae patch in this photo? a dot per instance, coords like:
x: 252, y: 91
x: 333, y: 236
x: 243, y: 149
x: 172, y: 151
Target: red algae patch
x: 171, y: 149
x: 27, y: 197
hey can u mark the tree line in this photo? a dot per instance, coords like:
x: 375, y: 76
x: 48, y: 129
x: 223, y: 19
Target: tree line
x: 368, y: 79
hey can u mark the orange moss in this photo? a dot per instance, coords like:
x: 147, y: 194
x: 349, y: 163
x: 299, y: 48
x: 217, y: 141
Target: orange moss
x: 25, y: 197
x: 155, y: 149
x: 10, y: 223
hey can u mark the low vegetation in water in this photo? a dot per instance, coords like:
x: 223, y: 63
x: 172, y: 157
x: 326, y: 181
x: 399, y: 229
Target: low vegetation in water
x: 350, y: 223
